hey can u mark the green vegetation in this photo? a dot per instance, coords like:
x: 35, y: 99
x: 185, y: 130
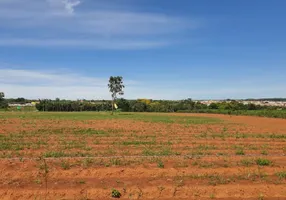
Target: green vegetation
x: 229, y: 107
x: 239, y: 152
x: 115, y: 193
x: 65, y: 165
x: 247, y: 162
x: 160, y: 164
x: 3, y: 102
x: 281, y: 175
x: 263, y: 162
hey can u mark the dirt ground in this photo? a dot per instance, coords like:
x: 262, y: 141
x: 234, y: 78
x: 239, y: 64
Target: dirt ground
x: 238, y: 158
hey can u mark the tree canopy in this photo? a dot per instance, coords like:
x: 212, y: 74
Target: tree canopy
x: 116, y: 88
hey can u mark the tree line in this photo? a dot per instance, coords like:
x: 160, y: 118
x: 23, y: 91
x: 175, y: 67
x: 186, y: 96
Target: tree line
x: 145, y: 105
x: 3, y: 101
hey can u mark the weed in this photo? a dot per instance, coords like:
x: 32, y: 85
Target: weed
x: 160, y: 164
x: 115, y: 161
x: 181, y: 165
x: 221, y: 154
x: 126, y: 143
x: 45, y: 174
x: 115, y: 193
x: 253, y: 176
x: 206, y: 147
x: 281, y: 175
x: 166, y: 152
x: 65, y: 165
x: 195, y: 163
x: 38, y: 181
x: 246, y: 162
x: 161, y: 188
x: 263, y: 162
x: 81, y: 182
x: 264, y: 152
x: 179, y: 181
x: 89, y: 131
x: 87, y: 162
x: 261, y: 197
x: 206, y: 165
x: 239, y: 152
x: 53, y: 154
x: 217, y: 180
x: 240, y: 135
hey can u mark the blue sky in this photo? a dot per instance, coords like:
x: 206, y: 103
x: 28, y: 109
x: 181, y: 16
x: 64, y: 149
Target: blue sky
x: 201, y: 49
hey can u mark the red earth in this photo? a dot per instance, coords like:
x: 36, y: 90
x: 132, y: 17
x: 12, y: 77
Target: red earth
x: 155, y: 160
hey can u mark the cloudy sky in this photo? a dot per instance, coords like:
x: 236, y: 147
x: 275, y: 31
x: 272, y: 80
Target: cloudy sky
x: 164, y: 49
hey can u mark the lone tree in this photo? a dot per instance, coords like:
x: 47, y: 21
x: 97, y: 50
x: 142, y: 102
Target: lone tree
x: 116, y: 88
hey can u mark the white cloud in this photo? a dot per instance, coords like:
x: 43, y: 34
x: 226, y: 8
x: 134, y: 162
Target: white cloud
x: 87, y: 44
x: 32, y: 77
x: 67, y: 5
x: 57, y: 23
x: 46, y: 84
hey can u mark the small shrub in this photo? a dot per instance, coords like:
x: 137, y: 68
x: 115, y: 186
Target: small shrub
x: 115, y: 193
x: 263, y: 162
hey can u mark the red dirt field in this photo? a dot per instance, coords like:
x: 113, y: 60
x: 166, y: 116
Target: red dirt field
x: 148, y: 157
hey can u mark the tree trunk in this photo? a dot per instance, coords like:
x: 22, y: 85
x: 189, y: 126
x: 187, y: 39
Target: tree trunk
x: 112, y: 106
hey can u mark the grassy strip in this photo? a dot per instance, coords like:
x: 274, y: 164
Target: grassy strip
x: 259, y: 113
x: 146, y: 117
